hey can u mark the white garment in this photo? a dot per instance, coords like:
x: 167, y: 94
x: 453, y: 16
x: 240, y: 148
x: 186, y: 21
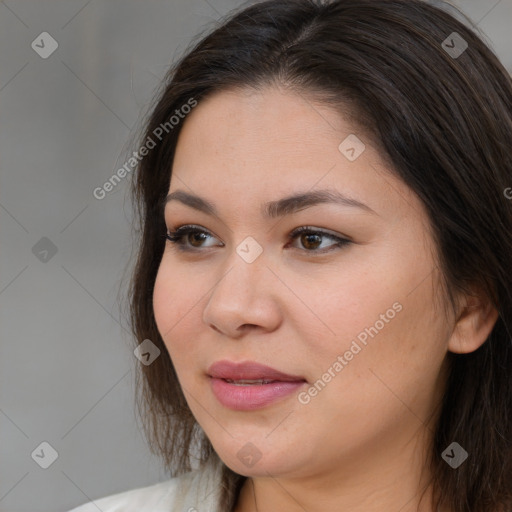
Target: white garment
x: 196, y: 491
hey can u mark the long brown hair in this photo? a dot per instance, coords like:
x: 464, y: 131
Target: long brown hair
x: 442, y: 114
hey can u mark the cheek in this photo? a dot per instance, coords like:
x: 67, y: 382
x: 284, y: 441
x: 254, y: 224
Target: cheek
x: 381, y: 320
x: 346, y: 304
x: 174, y: 297
x: 390, y: 363
x: 164, y: 302
x: 175, y: 303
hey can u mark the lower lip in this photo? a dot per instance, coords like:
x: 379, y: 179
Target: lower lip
x: 254, y: 396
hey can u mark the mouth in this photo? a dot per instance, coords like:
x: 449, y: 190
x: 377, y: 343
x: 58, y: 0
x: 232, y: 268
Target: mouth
x: 248, y: 386
x: 247, y: 382
x: 249, y: 373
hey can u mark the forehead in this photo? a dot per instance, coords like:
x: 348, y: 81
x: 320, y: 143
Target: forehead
x: 242, y: 119
x: 242, y: 144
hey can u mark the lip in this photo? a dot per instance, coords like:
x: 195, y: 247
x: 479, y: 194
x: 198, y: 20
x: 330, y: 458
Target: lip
x: 254, y: 396
x: 249, y: 370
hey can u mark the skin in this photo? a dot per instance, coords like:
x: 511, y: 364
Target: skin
x: 360, y: 443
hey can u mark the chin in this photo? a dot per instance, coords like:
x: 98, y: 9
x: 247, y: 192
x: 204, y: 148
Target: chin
x: 254, y: 459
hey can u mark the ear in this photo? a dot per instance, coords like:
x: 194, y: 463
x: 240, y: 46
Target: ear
x: 476, y: 319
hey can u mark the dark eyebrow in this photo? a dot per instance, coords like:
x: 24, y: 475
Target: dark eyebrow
x: 273, y: 209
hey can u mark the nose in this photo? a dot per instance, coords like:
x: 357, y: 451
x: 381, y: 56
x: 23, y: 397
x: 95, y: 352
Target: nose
x: 245, y: 297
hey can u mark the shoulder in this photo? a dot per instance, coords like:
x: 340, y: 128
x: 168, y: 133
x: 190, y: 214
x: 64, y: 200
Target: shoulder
x: 196, y: 490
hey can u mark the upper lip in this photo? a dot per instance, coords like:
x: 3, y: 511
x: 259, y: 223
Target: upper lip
x: 249, y: 370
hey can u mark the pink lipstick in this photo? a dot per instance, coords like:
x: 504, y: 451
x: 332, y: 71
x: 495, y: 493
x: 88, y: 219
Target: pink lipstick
x: 250, y: 385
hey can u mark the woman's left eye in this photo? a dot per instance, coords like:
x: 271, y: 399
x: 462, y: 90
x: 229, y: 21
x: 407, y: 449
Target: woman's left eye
x: 190, y: 238
x: 312, y: 237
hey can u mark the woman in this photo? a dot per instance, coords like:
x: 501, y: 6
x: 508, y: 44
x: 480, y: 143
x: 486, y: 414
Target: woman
x: 325, y: 266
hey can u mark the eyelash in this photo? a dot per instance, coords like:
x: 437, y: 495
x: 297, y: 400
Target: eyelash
x: 176, y: 237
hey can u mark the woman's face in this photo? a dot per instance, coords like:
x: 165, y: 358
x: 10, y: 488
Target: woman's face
x: 359, y: 322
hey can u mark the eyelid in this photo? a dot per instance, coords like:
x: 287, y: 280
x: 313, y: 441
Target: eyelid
x: 183, y: 230
x: 325, y: 232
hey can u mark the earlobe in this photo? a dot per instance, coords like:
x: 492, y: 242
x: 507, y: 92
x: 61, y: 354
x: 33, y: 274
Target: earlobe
x: 473, y: 326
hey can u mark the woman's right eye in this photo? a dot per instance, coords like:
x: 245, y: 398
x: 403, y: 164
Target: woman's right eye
x: 185, y: 235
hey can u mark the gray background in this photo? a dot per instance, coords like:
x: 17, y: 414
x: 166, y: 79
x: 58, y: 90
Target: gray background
x: 67, y: 372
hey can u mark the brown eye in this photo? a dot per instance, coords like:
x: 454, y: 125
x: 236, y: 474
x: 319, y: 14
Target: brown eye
x: 196, y: 238
x: 189, y: 238
x: 310, y: 241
